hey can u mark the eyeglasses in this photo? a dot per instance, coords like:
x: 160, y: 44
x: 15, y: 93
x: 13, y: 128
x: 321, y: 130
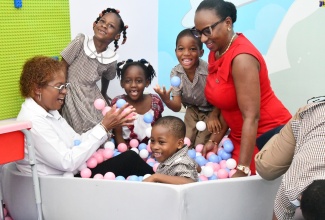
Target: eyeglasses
x: 61, y: 87
x: 206, y: 31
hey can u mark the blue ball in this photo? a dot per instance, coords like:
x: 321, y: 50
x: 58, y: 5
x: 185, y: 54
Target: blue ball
x: 191, y: 153
x: 142, y: 146
x: 225, y: 156
x: 120, y: 103
x: 151, y: 164
x: 213, y: 177
x: 148, y: 118
x: 214, y: 158
x: 175, y: 81
x: 228, y: 146
x: 120, y: 178
x: 140, y: 178
x: 116, y: 153
x: 133, y: 178
x: 201, y: 160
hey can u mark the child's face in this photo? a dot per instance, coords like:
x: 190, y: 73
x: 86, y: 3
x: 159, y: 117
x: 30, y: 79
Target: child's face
x: 163, y: 143
x: 134, y: 82
x: 108, y: 28
x: 188, y: 52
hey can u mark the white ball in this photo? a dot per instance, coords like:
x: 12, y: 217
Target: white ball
x: 207, y: 171
x: 198, y: 154
x: 110, y: 145
x: 68, y: 174
x: 144, y: 153
x: 82, y: 166
x: 201, y: 126
x: 231, y: 163
x: 135, y: 150
x: 148, y: 132
x: 146, y: 176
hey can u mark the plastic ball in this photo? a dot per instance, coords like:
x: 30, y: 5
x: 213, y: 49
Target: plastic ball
x: 228, y: 146
x: 216, y: 167
x: 223, y: 140
x: 122, y: 147
x: 92, y: 162
x: 207, y: 171
x: 148, y: 118
x: 120, y: 178
x: 213, y: 177
x: 201, y: 160
x: 232, y: 172
x: 151, y: 164
x: 199, y: 148
x: 198, y: 154
x: 135, y: 150
x: 209, y: 154
x: 99, y: 104
x: 85, y: 173
x: 105, y: 110
x: 107, y: 153
x: 231, y: 163
x: 201, y: 126
x: 109, y: 145
x: 213, y: 158
x: 116, y: 153
x: 220, y: 150
x: 140, y: 178
x: 187, y: 141
x: 109, y: 176
x: 98, y: 176
x: 155, y: 167
x: 133, y: 178
x: 225, y: 156
x: 134, y: 143
x: 148, y: 132
x: 144, y: 154
x: 99, y: 157
x: 191, y: 153
x: 222, y: 174
x: 146, y: 176
x: 120, y: 103
x: 151, y: 160
x: 130, y: 115
x: 68, y: 174
x: 142, y: 146
x: 203, y: 178
x: 223, y: 164
x: 148, y: 148
x: 175, y: 81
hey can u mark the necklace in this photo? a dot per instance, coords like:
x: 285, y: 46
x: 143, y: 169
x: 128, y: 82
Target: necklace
x: 232, y: 38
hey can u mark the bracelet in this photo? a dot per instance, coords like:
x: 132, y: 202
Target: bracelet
x: 101, y: 124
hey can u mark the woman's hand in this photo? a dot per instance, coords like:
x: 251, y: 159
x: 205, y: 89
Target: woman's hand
x: 213, y: 122
x: 119, y: 117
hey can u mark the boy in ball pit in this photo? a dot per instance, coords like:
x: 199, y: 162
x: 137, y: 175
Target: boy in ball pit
x: 167, y: 145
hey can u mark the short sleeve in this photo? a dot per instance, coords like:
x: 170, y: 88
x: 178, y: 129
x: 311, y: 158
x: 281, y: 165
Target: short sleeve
x: 110, y: 73
x: 71, y: 52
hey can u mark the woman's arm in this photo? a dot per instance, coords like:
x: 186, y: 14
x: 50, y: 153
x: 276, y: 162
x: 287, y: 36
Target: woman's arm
x: 245, y: 72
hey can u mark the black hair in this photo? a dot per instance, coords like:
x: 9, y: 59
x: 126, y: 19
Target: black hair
x: 313, y: 201
x: 222, y: 8
x: 148, y: 70
x: 175, y: 125
x: 188, y: 32
x: 122, y: 27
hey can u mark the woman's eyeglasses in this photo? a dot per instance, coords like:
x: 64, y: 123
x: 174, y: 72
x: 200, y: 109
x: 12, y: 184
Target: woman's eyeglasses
x: 61, y: 87
x: 206, y: 31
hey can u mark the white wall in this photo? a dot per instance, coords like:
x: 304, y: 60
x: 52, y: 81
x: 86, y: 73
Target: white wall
x: 142, y: 34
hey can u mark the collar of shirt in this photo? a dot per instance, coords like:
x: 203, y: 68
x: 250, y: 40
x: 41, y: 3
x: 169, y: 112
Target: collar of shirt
x: 105, y: 57
x: 38, y: 110
x: 180, y: 153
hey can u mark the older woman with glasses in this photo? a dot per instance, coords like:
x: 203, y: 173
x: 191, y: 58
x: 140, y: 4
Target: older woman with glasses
x: 58, y: 148
x: 237, y: 84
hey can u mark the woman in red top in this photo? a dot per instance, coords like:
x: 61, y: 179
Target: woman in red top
x: 237, y: 84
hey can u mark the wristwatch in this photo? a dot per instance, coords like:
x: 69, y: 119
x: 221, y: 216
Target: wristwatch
x: 244, y: 169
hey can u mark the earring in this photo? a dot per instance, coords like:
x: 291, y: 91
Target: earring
x: 40, y: 97
x: 229, y: 29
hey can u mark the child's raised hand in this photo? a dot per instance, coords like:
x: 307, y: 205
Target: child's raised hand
x: 163, y: 93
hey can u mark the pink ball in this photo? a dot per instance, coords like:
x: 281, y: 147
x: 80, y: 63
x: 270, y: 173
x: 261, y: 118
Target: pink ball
x: 232, y: 172
x: 105, y: 110
x: 127, y: 111
x: 98, y: 176
x: 101, y: 150
x: 150, y: 160
x: 122, y: 147
x: 216, y: 167
x: 108, y: 153
x: 134, y: 143
x: 92, y: 162
x: 209, y: 164
x: 99, y: 104
x: 223, y: 164
x: 85, y: 173
x: 155, y: 166
x: 187, y: 141
x: 109, y: 176
x: 203, y: 178
x: 198, y: 147
x: 99, y: 157
x: 222, y: 174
